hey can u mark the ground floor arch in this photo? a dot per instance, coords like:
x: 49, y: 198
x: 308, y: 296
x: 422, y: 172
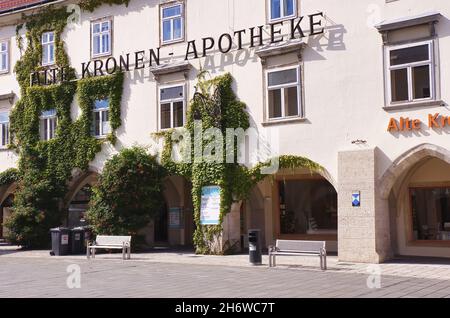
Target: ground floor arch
x: 419, y: 205
x: 6, y: 203
x: 294, y: 204
x: 77, y: 200
x: 173, y: 224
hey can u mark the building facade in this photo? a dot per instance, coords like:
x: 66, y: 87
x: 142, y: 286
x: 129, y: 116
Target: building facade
x: 359, y: 88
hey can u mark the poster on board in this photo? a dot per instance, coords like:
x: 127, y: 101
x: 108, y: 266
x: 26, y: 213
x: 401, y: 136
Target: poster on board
x: 210, y: 205
x: 175, y: 218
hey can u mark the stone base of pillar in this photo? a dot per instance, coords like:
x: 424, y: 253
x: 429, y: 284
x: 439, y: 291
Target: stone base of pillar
x: 228, y: 241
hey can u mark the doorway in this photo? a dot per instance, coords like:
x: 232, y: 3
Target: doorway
x: 161, y: 225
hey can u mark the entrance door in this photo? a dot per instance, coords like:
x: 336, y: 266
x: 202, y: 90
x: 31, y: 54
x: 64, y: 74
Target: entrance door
x: 161, y: 225
x: 5, y: 212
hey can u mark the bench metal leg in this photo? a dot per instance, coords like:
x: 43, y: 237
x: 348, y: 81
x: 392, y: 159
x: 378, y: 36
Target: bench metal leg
x: 323, y: 262
x: 274, y: 262
x: 93, y: 253
x: 123, y: 252
x: 87, y: 253
x: 270, y: 260
x: 129, y: 252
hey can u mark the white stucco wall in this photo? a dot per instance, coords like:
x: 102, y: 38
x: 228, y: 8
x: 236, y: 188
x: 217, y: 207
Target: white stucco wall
x: 343, y: 80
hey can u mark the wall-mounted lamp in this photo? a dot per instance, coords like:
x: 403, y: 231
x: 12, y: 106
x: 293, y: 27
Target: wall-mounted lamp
x: 359, y: 142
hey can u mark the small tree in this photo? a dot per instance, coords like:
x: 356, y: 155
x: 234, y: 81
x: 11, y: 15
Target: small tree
x: 128, y: 194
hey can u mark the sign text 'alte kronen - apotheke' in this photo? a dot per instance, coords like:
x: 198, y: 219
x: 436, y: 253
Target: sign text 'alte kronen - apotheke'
x: 435, y: 121
x: 253, y: 37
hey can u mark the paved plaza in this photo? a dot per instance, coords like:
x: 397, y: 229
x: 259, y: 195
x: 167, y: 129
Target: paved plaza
x: 184, y: 274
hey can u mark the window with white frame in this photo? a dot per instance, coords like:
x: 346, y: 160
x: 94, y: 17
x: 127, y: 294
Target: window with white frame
x: 48, y: 48
x: 172, y: 23
x: 101, y: 38
x: 171, y: 106
x: 283, y: 93
x: 48, y: 123
x: 4, y: 57
x: 4, y: 129
x: 100, y: 124
x: 410, y: 72
x: 282, y: 9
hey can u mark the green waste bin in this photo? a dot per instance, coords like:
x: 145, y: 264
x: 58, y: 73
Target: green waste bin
x: 60, y: 241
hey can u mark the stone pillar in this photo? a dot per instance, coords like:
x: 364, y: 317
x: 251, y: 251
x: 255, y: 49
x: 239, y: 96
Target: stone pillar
x: 363, y: 232
x: 6, y: 214
x: 231, y: 233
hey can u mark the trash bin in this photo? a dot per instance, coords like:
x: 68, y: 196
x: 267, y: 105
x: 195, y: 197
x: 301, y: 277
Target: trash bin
x: 60, y: 241
x: 254, y: 247
x: 79, y: 238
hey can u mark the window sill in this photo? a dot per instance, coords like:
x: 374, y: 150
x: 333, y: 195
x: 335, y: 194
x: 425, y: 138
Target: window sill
x: 282, y: 19
x: 429, y: 243
x: 412, y: 105
x: 49, y: 65
x: 284, y: 121
x: 100, y: 56
x: 167, y: 43
x: 4, y: 72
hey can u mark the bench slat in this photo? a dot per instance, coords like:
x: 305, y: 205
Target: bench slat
x: 112, y: 240
x: 303, y: 246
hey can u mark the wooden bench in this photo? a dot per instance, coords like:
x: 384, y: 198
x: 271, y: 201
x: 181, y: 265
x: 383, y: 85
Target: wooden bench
x: 298, y: 248
x: 110, y: 242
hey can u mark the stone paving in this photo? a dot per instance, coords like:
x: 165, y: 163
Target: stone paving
x: 184, y: 274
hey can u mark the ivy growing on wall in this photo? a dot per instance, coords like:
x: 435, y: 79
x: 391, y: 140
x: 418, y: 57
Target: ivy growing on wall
x: 216, y: 106
x: 9, y: 176
x: 90, y: 5
x: 45, y: 167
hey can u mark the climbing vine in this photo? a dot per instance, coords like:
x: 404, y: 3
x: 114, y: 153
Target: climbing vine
x: 9, y: 176
x: 90, y: 5
x: 46, y: 166
x: 216, y: 106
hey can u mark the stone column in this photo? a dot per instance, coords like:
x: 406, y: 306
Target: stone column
x: 363, y: 232
x: 231, y: 233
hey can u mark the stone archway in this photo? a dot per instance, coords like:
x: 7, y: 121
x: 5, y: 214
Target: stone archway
x: 76, y: 200
x: 406, y: 161
x: 301, y: 204
x: 6, y: 201
x: 423, y: 168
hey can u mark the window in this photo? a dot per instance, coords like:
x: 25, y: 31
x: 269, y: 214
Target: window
x: 431, y: 213
x: 101, y: 125
x: 282, y: 9
x: 48, y: 123
x: 307, y: 207
x: 283, y: 93
x: 172, y: 106
x: 4, y: 57
x: 4, y: 129
x: 410, y: 73
x: 101, y: 38
x: 48, y: 48
x: 172, y: 23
